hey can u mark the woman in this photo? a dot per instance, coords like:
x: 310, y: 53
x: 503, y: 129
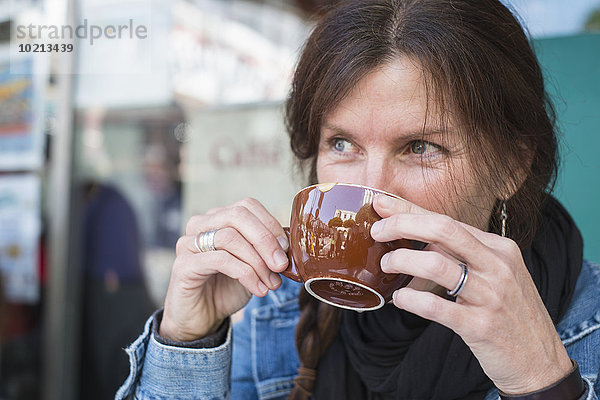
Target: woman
x: 442, y: 103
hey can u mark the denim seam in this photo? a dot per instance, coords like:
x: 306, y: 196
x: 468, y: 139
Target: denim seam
x: 267, y: 384
x: 253, y: 345
x: 274, y: 297
x: 282, y: 299
x: 577, y: 337
x: 134, y: 368
x: 569, y: 340
x: 590, y: 389
x: 290, y: 301
x: 270, y: 390
x: 277, y: 306
x: 275, y: 394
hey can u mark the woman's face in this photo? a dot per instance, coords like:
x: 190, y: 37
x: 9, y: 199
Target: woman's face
x: 385, y: 135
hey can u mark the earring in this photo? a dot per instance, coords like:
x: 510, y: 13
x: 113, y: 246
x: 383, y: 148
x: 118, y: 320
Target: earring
x: 503, y: 218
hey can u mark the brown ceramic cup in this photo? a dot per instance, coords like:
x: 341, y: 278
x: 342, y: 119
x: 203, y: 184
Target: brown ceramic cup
x: 332, y: 251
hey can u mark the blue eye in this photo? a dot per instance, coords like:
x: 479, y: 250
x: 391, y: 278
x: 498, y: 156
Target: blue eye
x: 342, y: 145
x: 422, y: 147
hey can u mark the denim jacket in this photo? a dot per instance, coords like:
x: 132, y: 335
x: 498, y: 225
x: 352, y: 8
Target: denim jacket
x: 258, y: 360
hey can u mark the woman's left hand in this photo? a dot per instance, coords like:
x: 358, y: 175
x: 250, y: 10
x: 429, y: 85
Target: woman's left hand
x: 499, y: 313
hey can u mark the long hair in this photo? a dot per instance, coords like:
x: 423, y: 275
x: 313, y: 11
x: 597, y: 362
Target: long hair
x: 480, y: 68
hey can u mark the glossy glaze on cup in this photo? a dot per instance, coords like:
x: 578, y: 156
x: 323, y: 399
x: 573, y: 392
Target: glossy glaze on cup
x: 332, y: 251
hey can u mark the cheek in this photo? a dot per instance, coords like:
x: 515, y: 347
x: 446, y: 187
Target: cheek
x: 332, y: 171
x: 462, y: 200
x: 323, y: 172
x: 440, y: 192
x: 430, y: 194
x: 425, y: 187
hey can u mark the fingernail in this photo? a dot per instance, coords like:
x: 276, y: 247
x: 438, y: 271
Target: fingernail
x: 376, y: 228
x: 384, y: 260
x: 395, y: 295
x: 262, y: 288
x: 283, y: 242
x: 275, y: 280
x: 280, y: 258
x: 384, y: 201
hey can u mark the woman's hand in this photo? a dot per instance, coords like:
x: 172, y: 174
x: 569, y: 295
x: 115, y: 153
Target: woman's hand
x: 205, y: 288
x: 499, y: 313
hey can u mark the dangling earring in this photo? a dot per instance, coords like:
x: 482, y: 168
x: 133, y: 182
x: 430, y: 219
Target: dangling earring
x: 503, y: 218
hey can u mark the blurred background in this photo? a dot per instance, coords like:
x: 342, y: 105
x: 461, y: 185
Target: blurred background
x: 108, y: 146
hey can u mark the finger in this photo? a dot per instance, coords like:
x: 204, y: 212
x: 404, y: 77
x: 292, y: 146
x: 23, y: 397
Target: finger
x: 386, y: 206
x: 204, y: 265
x: 432, y: 266
x: 215, y: 210
x: 263, y: 214
x: 439, y: 229
x: 230, y: 240
x: 250, y: 227
x: 225, y: 263
x: 267, y: 219
x: 429, y: 306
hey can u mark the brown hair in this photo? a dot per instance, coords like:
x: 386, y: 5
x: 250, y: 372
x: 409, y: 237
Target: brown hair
x: 479, y: 66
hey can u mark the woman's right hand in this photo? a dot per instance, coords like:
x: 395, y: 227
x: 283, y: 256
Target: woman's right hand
x: 205, y: 288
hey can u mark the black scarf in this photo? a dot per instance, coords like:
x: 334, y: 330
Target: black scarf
x: 392, y: 354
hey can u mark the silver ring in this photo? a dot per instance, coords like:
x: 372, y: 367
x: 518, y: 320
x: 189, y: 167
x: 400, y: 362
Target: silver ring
x: 205, y: 241
x: 461, y: 282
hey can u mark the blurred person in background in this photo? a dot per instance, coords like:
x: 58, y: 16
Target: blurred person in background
x: 162, y: 179
x: 442, y: 103
x: 115, y: 298
x: 164, y: 223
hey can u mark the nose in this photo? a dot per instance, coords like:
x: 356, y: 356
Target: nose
x: 378, y: 173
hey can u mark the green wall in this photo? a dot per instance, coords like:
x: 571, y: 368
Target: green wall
x: 572, y: 69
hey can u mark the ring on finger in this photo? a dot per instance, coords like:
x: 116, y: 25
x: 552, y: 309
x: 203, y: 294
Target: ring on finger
x: 461, y: 282
x: 205, y: 241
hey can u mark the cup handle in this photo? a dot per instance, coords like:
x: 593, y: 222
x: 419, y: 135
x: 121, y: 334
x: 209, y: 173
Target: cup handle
x: 291, y: 271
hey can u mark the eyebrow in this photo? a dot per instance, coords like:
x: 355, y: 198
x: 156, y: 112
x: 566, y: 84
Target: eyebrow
x: 403, y: 138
